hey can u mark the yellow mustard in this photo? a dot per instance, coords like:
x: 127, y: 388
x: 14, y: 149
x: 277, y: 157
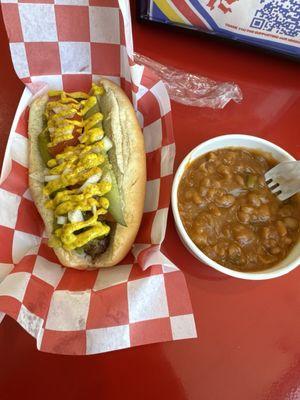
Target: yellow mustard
x: 70, y: 179
x: 78, y: 95
x: 88, y: 104
x: 95, y: 229
x: 63, y: 94
x: 54, y: 93
x: 66, y: 100
x: 97, y: 90
x: 74, y: 166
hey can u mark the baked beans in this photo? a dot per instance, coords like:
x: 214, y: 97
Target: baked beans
x: 230, y: 213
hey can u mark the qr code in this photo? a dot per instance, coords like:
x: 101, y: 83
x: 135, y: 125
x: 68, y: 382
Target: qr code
x: 278, y: 16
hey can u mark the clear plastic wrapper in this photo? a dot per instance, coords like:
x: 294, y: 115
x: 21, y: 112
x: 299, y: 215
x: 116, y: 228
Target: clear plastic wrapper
x: 191, y: 89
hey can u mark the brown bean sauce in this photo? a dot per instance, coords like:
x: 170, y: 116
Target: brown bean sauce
x: 230, y: 213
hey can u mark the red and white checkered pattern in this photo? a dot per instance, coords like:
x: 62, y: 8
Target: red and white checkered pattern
x: 67, y: 44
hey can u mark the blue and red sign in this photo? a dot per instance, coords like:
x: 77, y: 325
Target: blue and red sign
x: 274, y: 24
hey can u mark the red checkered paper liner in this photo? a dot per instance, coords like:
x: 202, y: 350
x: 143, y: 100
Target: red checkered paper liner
x: 68, y: 44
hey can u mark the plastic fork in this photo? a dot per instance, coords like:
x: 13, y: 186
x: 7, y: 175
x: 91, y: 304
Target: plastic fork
x: 284, y: 179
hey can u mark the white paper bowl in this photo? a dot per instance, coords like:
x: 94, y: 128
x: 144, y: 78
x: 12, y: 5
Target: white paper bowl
x: 252, y: 142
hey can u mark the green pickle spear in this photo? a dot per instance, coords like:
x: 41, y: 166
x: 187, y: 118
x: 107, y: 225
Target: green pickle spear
x: 43, y: 140
x: 113, y: 196
x: 91, y: 112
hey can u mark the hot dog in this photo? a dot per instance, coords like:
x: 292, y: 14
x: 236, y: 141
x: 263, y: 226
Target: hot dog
x: 87, y: 173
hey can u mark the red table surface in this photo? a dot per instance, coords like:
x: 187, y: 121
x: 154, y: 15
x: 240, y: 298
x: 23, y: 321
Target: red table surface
x: 249, y: 332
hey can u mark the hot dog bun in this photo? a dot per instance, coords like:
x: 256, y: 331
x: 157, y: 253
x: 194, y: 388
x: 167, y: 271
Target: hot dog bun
x: 129, y: 164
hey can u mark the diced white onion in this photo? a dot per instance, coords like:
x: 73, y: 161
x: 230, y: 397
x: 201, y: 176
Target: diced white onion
x: 67, y: 170
x: 61, y: 220
x: 49, y: 178
x: 107, y: 143
x: 94, y: 209
x: 57, y: 109
x: 97, y: 137
x: 38, y: 176
x: 75, y: 216
x: 97, y: 151
x: 68, y: 129
x: 92, y: 179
